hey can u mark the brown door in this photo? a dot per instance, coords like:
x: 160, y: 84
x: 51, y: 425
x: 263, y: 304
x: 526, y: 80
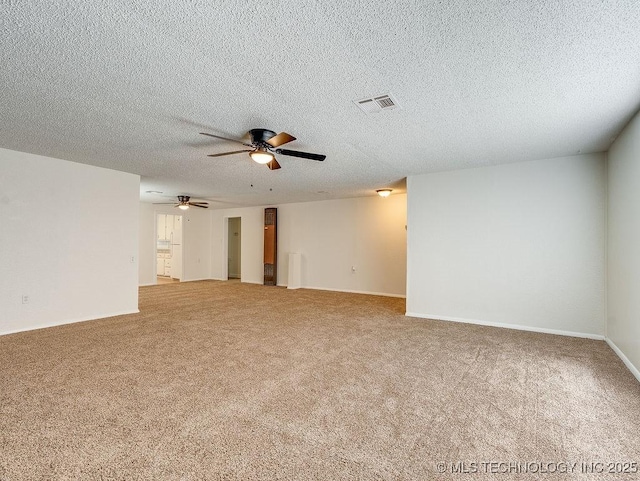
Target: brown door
x: 270, y: 246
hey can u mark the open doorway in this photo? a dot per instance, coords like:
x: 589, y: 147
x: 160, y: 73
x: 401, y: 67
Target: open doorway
x: 233, y: 248
x: 168, y: 248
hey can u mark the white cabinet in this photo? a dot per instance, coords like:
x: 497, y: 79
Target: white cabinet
x: 160, y: 267
x: 170, y: 228
x: 163, y: 265
x: 162, y: 226
x: 169, y: 248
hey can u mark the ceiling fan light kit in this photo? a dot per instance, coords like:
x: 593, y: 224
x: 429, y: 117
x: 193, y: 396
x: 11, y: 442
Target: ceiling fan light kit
x: 261, y: 156
x: 264, y: 144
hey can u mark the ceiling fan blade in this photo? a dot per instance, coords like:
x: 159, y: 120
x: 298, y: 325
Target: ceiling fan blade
x: 199, y: 205
x: 273, y: 165
x: 280, y: 139
x: 304, y: 155
x: 224, y: 138
x: 229, y: 153
x: 164, y: 203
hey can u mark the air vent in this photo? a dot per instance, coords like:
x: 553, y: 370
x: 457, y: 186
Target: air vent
x: 373, y: 105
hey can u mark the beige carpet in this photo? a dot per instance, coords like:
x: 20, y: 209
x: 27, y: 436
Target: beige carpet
x: 228, y: 381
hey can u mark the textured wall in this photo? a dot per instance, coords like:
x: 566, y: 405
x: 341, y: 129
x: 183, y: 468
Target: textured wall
x: 519, y: 245
x: 623, y: 301
x: 69, y: 233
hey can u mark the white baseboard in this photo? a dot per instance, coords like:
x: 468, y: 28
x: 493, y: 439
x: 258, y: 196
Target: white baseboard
x: 350, y: 291
x: 292, y: 288
x: 185, y: 280
x: 385, y: 294
x: 634, y: 370
x: 243, y: 282
x: 517, y: 327
x: 71, y: 321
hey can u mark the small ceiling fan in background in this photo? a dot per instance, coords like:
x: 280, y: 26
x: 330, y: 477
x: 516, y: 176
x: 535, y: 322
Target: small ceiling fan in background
x: 264, y: 143
x: 184, y: 203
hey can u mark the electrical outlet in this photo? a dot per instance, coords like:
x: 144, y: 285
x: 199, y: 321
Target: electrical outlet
x: 25, y: 299
x: 132, y: 259
x: 353, y: 269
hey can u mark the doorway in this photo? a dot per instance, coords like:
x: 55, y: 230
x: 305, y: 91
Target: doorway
x: 234, y: 266
x: 168, y: 248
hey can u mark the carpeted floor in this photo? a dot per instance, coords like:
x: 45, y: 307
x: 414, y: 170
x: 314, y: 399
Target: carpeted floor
x: 229, y: 381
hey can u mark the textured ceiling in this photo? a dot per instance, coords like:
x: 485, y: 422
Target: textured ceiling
x: 129, y: 84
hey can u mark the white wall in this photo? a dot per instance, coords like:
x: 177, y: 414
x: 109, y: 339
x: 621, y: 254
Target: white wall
x: 69, y: 232
x: 519, y: 245
x: 331, y: 236
x: 147, y: 245
x: 196, y: 242
x: 251, y: 243
x: 623, y: 289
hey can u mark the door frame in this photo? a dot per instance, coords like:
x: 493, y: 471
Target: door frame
x: 225, y: 247
x: 156, y: 213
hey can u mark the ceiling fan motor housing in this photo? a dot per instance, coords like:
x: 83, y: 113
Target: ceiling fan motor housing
x: 259, y: 137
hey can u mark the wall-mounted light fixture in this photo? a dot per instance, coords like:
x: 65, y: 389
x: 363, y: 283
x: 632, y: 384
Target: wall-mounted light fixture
x: 384, y: 192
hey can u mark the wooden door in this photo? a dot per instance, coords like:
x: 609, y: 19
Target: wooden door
x: 270, y: 246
